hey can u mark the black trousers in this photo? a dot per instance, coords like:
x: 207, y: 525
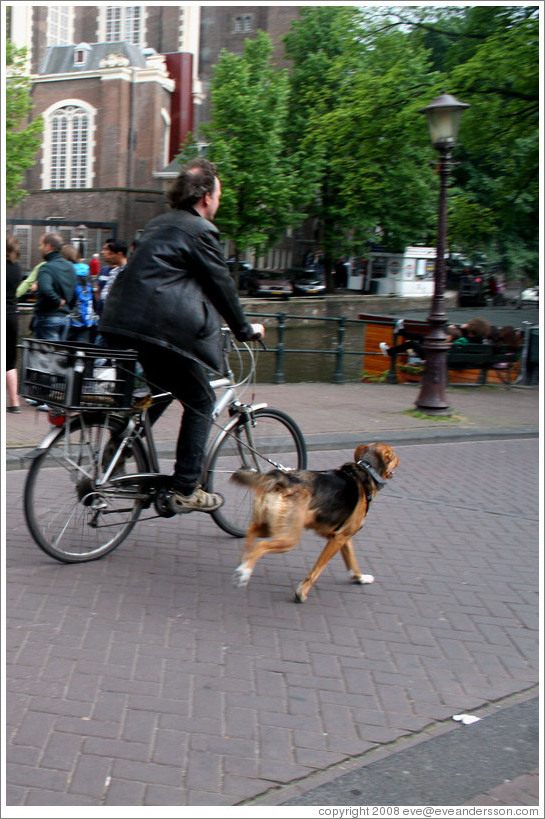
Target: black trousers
x: 415, y: 341
x: 188, y: 382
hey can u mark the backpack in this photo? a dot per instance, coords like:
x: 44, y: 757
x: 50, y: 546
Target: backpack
x: 83, y: 313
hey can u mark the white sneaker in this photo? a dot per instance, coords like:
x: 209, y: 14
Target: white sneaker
x: 198, y: 501
x: 399, y: 325
x: 384, y: 348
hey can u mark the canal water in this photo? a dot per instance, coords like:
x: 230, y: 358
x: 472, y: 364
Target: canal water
x: 311, y: 353
x: 309, y: 347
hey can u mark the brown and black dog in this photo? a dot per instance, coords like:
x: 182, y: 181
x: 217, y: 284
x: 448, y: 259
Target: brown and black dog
x: 334, y: 503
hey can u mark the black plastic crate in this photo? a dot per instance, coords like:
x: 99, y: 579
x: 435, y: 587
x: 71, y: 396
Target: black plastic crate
x: 77, y: 376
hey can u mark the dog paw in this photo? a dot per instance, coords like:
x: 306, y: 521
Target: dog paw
x: 300, y: 596
x: 241, y: 576
x: 363, y: 579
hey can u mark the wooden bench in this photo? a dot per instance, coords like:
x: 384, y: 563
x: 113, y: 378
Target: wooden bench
x: 383, y: 328
x: 466, y: 363
x: 501, y: 362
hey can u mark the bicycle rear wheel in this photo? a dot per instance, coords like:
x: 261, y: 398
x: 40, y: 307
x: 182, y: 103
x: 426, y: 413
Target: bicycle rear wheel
x: 68, y: 515
x: 258, y: 441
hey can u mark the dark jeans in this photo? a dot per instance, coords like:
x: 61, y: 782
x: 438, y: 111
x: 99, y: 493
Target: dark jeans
x: 51, y: 328
x: 414, y: 342
x: 188, y: 382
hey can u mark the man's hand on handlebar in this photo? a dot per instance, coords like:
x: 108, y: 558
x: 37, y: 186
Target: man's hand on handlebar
x: 259, y: 332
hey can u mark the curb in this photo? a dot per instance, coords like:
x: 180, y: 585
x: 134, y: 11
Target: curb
x: 445, y: 760
x: 17, y: 457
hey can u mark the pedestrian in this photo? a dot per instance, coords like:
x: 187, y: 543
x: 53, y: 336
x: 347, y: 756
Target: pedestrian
x: 13, y: 278
x: 476, y: 330
x: 73, y: 255
x: 30, y: 283
x: 166, y: 303
x: 94, y: 265
x: 114, y: 254
x: 83, y: 318
x: 56, y: 291
x: 415, y: 342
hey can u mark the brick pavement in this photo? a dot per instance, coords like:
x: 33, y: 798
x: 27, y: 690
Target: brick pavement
x: 341, y: 414
x: 147, y: 679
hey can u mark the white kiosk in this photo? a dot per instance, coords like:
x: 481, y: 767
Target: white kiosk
x: 402, y: 274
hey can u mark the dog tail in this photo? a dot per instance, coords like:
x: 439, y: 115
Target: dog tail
x: 267, y: 481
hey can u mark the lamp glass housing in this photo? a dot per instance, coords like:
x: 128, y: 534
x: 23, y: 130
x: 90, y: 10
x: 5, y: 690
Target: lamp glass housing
x: 443, y: 116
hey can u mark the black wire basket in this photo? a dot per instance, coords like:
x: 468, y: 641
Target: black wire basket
x: 77, y: 376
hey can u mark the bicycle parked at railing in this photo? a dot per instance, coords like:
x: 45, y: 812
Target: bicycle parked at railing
x: 98, y: 468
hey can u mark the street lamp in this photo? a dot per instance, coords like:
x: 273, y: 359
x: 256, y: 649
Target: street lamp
x: 443, y: 116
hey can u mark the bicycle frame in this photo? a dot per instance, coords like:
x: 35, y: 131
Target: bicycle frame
x: 105, y: 463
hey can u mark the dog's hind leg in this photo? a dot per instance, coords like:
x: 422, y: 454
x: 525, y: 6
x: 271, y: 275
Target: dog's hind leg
x: 349, y: 557
x: 331, y: 548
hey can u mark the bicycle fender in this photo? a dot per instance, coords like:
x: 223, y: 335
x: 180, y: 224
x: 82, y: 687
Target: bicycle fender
x: 51, y: 435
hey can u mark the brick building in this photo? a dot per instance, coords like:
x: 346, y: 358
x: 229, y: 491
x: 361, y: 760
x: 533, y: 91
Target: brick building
x: 118, y: 88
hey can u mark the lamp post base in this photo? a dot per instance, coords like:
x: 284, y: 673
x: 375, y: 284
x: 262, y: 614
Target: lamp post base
x: 432, y: 398
x: 444, y: 411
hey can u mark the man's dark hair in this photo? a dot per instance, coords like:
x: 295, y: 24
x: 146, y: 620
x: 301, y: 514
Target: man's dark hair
x: 117, y: 246
x: 194, y: 180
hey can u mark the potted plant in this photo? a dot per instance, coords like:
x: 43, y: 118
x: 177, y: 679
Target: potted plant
x: 411, y: 372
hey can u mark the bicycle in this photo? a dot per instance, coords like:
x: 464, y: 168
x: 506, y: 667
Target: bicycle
x: 98, y: 468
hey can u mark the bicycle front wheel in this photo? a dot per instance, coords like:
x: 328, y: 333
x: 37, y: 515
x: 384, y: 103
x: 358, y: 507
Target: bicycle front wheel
x: 259, y: 441
x: 70, y: 516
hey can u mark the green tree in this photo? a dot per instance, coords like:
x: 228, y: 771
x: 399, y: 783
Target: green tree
x: 249, y: 108
x: 490, y: 58
x: 320, y: 37
x: 22, y: 143
x: 356, y: 90
x: 500, y: 79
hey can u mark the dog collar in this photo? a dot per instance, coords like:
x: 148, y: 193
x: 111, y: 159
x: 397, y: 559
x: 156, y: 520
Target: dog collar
x: 380, y: 482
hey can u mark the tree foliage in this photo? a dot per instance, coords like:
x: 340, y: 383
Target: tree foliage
x: 488, y: 56
x: 341, y: 140
x: 249, y: 108
x: 22, y: 143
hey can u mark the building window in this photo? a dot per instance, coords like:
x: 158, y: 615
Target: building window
x: 67, y: 146
x: 243, y: 23
x: 123, y: 23
x: 60, y: 25
x: 80, y: 53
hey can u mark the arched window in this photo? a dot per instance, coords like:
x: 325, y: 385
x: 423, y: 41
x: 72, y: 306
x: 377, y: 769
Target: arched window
x: 68, y: 145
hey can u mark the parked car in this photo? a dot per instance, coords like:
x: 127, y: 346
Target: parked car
x: 305, y: 282
x: 269, y: 283
x: 244, y: 270
x: 531, y: 294
x: 473, y: 290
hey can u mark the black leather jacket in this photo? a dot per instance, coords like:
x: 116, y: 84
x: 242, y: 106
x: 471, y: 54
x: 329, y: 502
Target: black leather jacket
x: 172, y: 289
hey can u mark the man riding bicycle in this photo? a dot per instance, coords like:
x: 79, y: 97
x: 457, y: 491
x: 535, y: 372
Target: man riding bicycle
x: 166, y: 304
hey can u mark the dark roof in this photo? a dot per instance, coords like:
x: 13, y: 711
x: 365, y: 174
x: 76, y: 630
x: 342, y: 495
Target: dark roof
x: 60, y: 59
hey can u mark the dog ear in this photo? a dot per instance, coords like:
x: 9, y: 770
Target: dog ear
x: 389, y: 458
x: 360, y: 451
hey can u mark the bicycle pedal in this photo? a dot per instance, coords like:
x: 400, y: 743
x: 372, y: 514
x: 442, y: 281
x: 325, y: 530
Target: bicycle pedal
x: 162, y: 503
